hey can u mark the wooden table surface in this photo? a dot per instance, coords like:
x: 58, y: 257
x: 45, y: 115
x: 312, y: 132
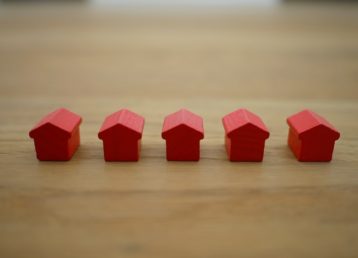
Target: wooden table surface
x: 95, y: 61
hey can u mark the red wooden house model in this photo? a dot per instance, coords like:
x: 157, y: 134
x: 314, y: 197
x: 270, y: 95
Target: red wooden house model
x: 183, y: 131
x: 121, y: 133
x: 245, y: 136
x: 57, y: 135
x: 311, y: 137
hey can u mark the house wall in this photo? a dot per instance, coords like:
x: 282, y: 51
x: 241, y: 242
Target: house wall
x: 120, y: 148
x: 228, y: 146
x: 317, y: 150
x: 247, y: 149
x: 51, y: 149
x: 183, y: 149
x: 73, y: 142
x: 294, y: 143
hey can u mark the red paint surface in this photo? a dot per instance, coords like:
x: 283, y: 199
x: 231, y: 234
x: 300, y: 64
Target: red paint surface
x: 121, y: 133
x: 245, y: 136
x: 183, y: 131
x: 57, y: 135
x: 311, y: 137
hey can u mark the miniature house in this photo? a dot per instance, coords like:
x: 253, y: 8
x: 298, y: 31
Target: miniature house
x: 121, y: 133
x: 245, y: 136
x: 183, y: 131
x: 57, y: 135
x: 311, y: 137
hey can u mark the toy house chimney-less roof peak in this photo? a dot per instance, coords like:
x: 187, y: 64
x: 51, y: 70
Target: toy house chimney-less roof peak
x: 311, y: 137
x: 57, y: 135
x: 183, y: 131
x: 245, y: 136
x: 121, y: 133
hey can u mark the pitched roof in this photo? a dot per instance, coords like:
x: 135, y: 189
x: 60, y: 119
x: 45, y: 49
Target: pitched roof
x: 305, y: 121
x: 242, y: 118
x: 61, y: 118
x: 125, y: 118
x: 183, y: 117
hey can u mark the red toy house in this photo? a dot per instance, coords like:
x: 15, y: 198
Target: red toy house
x: 57, y: 135
x: 311, y: 137
x: 183, y: 131
x: 245, y: 136
x: 121, y: 133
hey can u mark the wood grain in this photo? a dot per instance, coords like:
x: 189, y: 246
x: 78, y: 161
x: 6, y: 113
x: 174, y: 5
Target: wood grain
x: 272, y: 61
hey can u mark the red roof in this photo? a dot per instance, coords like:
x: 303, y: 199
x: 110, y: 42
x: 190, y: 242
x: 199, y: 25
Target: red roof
x: 61, y: 118
x: 125, y: 118
x: 242, y: 120
x: 186, y: 118
x: 306, y: 121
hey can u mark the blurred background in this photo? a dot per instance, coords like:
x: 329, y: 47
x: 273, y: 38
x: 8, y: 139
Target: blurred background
x: 160, y: 2
x: 242, y: 48
x: 177, y: 2
x: 182, y: 2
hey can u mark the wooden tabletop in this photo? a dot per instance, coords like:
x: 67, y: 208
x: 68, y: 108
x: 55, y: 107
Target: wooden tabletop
x: 274, y: 61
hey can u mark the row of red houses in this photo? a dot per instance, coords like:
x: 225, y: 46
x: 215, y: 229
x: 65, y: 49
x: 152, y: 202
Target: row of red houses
x: 57, y: 137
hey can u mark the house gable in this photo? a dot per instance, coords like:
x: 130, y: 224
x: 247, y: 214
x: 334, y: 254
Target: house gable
x: 182, y: 131
x: 123, y: 121
x: 61, y: 123
x: 119, y: 129
x: 183, y: 122
x: 244, y: 122
x: 49, y: 130
x: 320, y: 132
x: 249, y: 130
x: 307, y: 124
